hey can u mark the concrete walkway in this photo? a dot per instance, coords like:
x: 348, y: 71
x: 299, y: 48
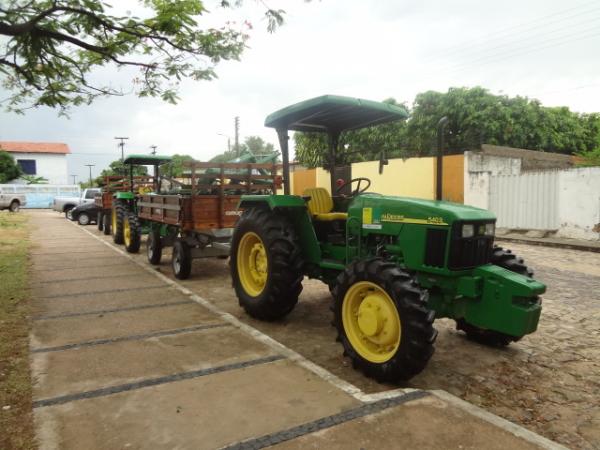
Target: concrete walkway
x: 122, y: 357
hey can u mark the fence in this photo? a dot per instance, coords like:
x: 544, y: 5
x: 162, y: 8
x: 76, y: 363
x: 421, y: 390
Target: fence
x: 528, y: 200
x: 40, y: 195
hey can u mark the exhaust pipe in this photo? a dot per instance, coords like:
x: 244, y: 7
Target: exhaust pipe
x: 441, y: 126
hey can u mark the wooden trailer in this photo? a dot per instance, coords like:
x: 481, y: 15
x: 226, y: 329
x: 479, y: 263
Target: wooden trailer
x: 198, y: 218
x: 112, y: 184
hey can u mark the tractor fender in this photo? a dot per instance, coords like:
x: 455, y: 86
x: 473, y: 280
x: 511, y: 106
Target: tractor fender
x: 295, y: 208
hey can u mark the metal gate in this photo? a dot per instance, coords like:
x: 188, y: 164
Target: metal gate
x: 528, y: 200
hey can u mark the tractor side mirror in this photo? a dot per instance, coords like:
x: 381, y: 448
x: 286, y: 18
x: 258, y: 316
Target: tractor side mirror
x: 382, y: 161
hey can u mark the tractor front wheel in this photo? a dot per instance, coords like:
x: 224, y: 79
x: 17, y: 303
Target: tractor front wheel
x: 266, y: 264
x: 132, y: 233
x: 181, y: 260
x: 154, y: 247
x: 382, y: 320
x: 117, y: 216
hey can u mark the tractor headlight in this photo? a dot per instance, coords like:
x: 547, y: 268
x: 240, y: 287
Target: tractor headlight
x: 468, y: 230
x: 490, y: 229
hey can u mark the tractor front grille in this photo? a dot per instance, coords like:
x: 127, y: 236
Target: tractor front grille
x: 466, y: 253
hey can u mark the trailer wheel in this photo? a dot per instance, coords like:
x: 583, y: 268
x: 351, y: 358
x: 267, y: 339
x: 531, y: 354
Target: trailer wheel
x: 266, y: 264
x: 132, y: 233
x: 154, y: 247
x: 509, y: 261
x: 106, y: 224
x: 382, y: 320
x: 117, y: 215
x: 14, y: 206
x: 99, y: 221
x: 181, y: 260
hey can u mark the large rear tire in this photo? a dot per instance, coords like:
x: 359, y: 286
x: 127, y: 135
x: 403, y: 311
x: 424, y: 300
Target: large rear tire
x: 382, y: 320
x: 266, y: 264
x: 132, y: 233
x: 117, y: 215
x: 14, y: 207
x: 181, y: 260
x: 509, y: 261
x: 154, y: 247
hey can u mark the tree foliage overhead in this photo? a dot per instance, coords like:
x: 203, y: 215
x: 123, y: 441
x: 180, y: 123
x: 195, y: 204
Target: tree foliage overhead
x: 49, y: 48
x: 117, y: 168
x: 475, y: 116
x: 9, y: 169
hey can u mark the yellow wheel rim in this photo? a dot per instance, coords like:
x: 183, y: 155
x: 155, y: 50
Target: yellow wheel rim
x: 371, y: 322
x: 126, y: 232
x: 114, y: 220
x: 252, y: 264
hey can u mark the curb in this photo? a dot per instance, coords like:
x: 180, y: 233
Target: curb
x: 546, y: 243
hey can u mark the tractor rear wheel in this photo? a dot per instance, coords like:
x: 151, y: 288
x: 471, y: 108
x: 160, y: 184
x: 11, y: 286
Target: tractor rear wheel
x: 382, y: 320
x: 119, y: 211
x: 132, y: 233
x: 154, y: 247
x: 99, y: 222
x: 509, y: 261
x: 106, y: 224
x: 266, y: 264
x: 181, y: 260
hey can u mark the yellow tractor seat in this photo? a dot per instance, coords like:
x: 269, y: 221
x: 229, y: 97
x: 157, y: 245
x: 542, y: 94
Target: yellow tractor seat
x: 321, y: 204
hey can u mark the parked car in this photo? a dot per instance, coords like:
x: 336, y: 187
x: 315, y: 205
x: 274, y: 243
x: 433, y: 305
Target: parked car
x: 66, y: 204
x: 11, y: 201
x: 84, y: 214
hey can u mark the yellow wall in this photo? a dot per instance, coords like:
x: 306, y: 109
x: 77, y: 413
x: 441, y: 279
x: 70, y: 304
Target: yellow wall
x: 303, y: 179
x: 408, y: 178
x: 323, y: 179
x: 453, y: 178
x: 414, y: 177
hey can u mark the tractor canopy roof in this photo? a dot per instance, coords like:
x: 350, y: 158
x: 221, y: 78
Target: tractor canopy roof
x: 334, y: 114
x: 147, y: 160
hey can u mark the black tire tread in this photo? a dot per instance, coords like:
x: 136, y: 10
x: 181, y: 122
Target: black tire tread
x: 186, y: 263
x: 418, y: 334
x: 135, y: 233
x: 154, y: 239
x: 120, y: 210
x: 99, y: 221
x: 284, y: 283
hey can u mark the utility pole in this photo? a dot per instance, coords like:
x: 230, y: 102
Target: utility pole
x: 122, y: 145
x: 74, y: 176
x: 90, y: 166
x: 228, y: 141
x: 153, y: 147
x: 237, y: 135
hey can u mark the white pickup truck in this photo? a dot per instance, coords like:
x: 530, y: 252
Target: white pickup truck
x: 66, y: 204
x: 11, y: 201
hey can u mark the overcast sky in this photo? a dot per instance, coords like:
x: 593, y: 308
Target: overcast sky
x: 374, y: 49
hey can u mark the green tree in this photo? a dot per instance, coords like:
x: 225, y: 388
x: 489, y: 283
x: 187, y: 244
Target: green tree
x: 175, y: 167
x: 355, y: 146
x: 50, y: 48
x: 257, y: 146
x: 33, y: 179
x: 116, y: 168
x: 9, y: 169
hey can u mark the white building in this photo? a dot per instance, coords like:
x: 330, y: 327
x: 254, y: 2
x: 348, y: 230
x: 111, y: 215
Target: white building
x: 42, y: 159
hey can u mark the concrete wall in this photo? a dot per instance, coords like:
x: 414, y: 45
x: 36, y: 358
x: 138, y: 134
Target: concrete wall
x: 567, y: 200
x: 579, y: 203
x: 53, y: 167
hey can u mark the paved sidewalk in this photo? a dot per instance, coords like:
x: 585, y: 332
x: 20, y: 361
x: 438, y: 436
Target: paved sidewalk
x: 122, y: 357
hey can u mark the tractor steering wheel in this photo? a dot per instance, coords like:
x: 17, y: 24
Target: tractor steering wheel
x: 358, y: 190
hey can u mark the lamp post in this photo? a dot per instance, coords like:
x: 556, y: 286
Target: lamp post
x: 90, y: 166
x: 153, y: 147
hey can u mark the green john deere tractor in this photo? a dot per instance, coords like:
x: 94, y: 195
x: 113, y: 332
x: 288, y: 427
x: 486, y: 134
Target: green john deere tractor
x: 393, y: 264
x: 125, y: 225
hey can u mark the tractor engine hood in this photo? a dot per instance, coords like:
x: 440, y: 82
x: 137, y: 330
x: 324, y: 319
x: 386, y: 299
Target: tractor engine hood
x: 380, y: 209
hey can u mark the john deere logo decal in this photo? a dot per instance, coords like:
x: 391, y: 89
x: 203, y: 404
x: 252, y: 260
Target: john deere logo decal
x: 401, y: 218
